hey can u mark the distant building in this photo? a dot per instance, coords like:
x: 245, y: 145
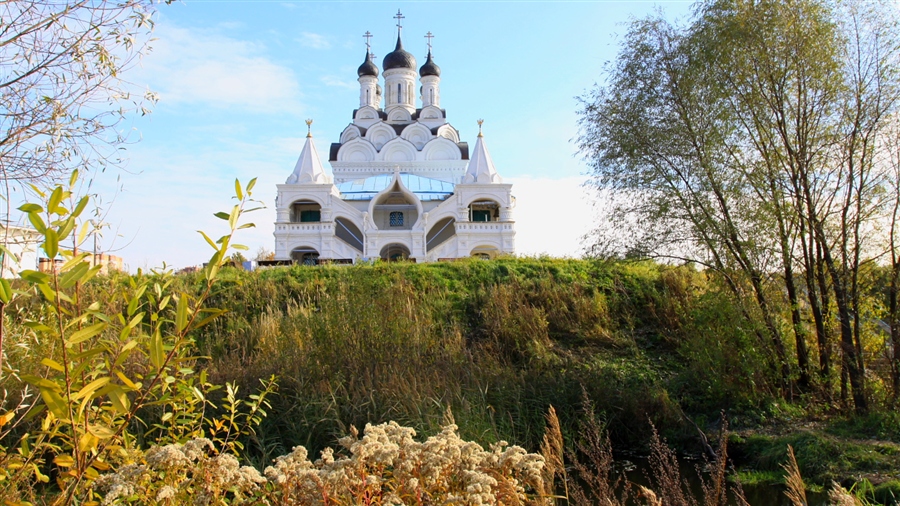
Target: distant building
x: 403, y: 185
x: 22, y: 243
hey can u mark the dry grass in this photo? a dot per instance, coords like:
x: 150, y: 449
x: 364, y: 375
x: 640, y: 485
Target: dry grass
x: 796, y: 489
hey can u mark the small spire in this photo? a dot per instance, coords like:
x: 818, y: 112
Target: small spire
x: 481, y: 168
x: 309, y: 123
x: 480, y: 122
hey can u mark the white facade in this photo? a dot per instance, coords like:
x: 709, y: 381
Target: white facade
x: 22, y: 244
x: 403, y: 185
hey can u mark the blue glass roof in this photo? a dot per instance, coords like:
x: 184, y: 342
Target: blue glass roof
x: 424, y: 188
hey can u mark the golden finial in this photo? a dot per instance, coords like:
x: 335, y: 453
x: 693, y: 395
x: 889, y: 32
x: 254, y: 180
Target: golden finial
x: 479, y: 127
x: 309, y: 128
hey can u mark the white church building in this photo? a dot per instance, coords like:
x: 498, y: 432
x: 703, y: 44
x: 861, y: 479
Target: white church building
x: 402, y: 186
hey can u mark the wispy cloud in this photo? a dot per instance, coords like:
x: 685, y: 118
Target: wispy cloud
x: 203, y: 67
x: 314, y: 41
x: 336, y: 82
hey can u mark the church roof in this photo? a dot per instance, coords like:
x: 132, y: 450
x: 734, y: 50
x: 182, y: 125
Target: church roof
x: 399, y: 58
x: 424, y: 188
x: 309, y: 168
x: 368, y: 68
x: 481, y: 166
x: 430, y: 68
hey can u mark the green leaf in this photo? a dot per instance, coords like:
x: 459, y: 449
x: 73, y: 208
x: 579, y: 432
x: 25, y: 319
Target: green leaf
x: 31, y: 208
x: 51, y: 243
x: 52, y: 364
x: 82, y: 233
x: 221, y: 215
x: 73, y: 178
x: 240, y: 247
x: 37, y: 222
x: 55, y: 403
x: 72, y: 262
x: 55, y: 198
x: 89, y: 389
x: 79, y: 207
x: 85, y: 334
x: 237, y: 189
x: 6, y: 292
x: 67, y: 227
x: 247, y: 225
x: 157, y: 354
x: 232, y: 220
x: 118, y: 399
x: 250, y: 185
x: 181, y: 312
x: 128, y: 383
x: 208, y: 240
x: 74, y: 275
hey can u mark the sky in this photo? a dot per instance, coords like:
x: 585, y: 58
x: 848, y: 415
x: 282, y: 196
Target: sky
x: 237, y: 79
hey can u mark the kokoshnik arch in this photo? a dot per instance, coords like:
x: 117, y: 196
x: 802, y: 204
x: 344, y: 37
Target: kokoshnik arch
x: 403, y: 185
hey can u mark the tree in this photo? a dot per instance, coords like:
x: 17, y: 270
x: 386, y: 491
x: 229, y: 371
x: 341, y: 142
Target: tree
x: 62, y: 91
x: 747, y: 141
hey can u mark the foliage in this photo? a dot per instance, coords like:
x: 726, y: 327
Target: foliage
x: 62, y: 88
x: 753, y: 141
x: 114, y: 362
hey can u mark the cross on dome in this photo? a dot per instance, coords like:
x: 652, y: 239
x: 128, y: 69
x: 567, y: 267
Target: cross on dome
x: 399, y: 17
x: 368, y: 37
x: 429, y: 36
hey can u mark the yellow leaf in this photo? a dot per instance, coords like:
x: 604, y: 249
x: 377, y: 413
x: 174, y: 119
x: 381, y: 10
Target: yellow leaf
x: 64, y: 460
x: 88, y: 442
x: 6, y: 418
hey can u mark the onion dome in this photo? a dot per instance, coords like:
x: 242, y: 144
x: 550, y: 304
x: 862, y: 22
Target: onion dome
x: 430, y: 68
x: 399, y: 58
x: 368, y: 68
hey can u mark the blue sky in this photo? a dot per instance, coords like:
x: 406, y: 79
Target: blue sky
x: 237, y: 79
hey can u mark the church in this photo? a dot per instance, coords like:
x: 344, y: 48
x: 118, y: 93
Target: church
x: 403, y: 186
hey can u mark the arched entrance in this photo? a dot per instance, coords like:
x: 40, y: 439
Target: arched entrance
x: 306, y: 211
x: 484, y: 210
x: 394, y: 252
x: 485, y: 252
x: 305, y: 256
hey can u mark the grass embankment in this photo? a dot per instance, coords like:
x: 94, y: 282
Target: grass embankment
x: 499, y: 341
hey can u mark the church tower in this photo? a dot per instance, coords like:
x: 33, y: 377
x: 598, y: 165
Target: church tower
x: 403, y: 185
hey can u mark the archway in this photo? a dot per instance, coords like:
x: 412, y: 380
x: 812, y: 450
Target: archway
x: 305, y: 256
x: 394, y: 252
x: 484, y: 210
x: 306, y: 211
x: 485, y: 252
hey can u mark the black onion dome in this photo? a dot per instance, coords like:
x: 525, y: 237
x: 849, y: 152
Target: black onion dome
x: 368, y: 68
x: 430, y: 68
x: 399, y: 59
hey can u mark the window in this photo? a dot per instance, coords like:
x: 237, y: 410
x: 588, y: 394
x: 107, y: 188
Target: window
x: 396, y: 219
x: 481, y: 215
x: 310, y: 216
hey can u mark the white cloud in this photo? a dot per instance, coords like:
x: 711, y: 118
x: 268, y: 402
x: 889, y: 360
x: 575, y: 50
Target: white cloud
x: 314, y: 41
x: 336, y: 82
x: 552, y: 215
x: 192, y: 66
